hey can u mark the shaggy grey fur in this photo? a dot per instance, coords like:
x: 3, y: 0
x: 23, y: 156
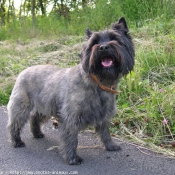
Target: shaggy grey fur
x: 71, y: 95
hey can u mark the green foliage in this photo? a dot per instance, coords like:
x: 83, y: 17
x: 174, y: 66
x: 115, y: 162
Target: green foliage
x: 97, y: 15
x: 97, y: 18
x: 138, y: 10
x: 5, y: 94
x: 3, y: 34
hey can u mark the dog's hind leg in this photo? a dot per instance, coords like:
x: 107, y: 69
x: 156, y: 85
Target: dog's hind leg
x: 18, y: 115
x: 35, y: 125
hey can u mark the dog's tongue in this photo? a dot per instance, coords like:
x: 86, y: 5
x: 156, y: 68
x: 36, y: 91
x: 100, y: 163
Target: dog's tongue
x: 107, y: 62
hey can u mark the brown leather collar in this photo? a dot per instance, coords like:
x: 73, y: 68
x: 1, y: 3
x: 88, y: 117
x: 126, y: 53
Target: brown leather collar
x: 108, y: 89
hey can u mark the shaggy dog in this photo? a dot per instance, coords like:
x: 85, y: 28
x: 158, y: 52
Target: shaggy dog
x: 79, y: 96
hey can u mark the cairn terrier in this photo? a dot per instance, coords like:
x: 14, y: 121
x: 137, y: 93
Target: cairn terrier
x: 79, y: 96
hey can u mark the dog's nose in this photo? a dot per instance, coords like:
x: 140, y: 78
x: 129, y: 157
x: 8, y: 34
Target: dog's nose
x: 103, y: 48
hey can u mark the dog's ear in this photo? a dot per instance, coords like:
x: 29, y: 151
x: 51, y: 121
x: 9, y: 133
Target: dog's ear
x: 88, y: 32
x: 121, y: 25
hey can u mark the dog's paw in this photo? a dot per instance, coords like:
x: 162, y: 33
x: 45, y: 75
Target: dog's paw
x: 112, y: 147
x: 38, y: 135
x: 75, y: 161
x: 18, y: 144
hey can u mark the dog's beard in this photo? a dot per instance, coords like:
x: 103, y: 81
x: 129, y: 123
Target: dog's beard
x: 106, y: 64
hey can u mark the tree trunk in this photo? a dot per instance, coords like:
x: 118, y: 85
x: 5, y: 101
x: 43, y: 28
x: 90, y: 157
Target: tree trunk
x: 33, y: 12
x: 2, y: 12
x: 84, y: 3
x: 42, y: 7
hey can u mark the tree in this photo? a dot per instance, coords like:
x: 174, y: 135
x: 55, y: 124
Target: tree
x: 11, y: 10
x: 2, y: 12
x: 33, y: 12
x: 42, y: 7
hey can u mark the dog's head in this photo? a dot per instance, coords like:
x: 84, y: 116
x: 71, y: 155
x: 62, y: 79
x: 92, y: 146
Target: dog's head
x: 110, y: 53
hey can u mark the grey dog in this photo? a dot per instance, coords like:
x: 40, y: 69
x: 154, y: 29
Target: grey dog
x: 79, y: 96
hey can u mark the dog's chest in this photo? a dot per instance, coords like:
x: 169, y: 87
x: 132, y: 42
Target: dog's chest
x: 91, y: 106
x: 83, y: 100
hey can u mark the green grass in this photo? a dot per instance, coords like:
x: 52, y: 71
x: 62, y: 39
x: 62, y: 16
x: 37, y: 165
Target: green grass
x: 148, y: 93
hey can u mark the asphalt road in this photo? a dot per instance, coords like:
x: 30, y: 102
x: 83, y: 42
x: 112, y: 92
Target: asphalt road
x: 40, y: 156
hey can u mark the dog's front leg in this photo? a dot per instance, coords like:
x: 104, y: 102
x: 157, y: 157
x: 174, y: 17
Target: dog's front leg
x: 103, y: 131
x: 68, y: 146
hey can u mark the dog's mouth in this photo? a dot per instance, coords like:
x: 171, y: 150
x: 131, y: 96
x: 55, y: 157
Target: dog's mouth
x: 107, y: 62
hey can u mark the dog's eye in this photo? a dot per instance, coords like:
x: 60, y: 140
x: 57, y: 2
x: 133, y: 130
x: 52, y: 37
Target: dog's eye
x: 95, y: 42
x: 95, y: 39
x: 113, y: 37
